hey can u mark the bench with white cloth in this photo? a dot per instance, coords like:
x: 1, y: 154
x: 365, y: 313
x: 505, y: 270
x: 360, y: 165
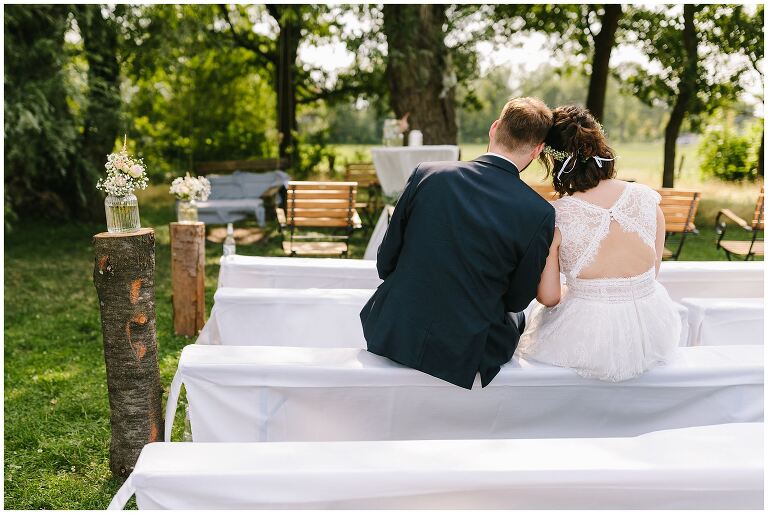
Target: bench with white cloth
x: 725, y: 321
x: 237, y: 196
x: 715, y: 467
x: 259, y: 393
x: 681, y: 279
x: 327, y: 318
x: 298, y: 317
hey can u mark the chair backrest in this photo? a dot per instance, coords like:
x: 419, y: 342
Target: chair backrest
x: 547, y: 191
x: 679, y: 207
x: 364, y: 173
x: 757, y: 218
x: 246, y: 165
x: 320, y: 204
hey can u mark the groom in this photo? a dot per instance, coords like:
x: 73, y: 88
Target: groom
x: 466, y: 244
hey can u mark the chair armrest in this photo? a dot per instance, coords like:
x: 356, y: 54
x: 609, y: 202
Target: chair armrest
x: 356, y: 222
x: 280, y: 212
x: 730, y: 215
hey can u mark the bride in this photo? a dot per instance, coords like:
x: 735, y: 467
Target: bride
x: 612, y: 320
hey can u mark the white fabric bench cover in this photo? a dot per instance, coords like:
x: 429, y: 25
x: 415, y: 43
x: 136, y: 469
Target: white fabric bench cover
x: 297, y: 273
x: 327, y: 318
x: 258, y: 393
x: 725, y: 321
x: 704, y: 279
x: 712, y: 279
x: 294, y: 317
x: 238, y: 195
x: 715, y: 467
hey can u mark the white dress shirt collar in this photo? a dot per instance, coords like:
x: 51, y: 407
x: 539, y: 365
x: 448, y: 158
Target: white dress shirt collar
x: 505, y: 158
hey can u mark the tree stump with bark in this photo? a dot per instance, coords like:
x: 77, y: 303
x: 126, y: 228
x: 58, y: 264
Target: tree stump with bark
x: 188, y: 277
x: 124, y: 278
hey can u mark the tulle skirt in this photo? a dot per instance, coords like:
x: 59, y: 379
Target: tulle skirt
x: 608, y: 329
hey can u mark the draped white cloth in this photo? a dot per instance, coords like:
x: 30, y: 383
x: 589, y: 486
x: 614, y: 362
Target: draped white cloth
x: 395, y: 164
x: 299, y: 317
x: 286, y: 317
x: 252, y: 393
x: 681, y: 279
x: 725, y: 321
x: 716, y: 467
x: 377, y: 236
x: 297, y: 273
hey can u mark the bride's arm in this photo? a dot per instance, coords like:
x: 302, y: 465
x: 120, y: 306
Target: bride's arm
x: 661, y: 234
x: 548, y: 292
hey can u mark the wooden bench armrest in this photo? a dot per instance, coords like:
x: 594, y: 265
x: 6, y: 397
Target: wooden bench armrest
x: 729, y: 214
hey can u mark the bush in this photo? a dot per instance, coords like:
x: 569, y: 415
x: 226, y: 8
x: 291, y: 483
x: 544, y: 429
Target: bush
x: 729, y: 156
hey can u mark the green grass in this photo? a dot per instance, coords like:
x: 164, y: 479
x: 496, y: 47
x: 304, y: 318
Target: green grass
x: 56, y: 406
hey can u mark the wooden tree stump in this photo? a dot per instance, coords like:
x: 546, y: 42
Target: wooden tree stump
x: 188, y: 277
x: 124, y: 278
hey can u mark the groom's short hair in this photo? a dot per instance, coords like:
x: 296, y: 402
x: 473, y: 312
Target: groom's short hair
x: 524, y: 122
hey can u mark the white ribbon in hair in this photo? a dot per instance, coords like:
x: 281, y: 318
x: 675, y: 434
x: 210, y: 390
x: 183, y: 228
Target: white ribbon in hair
x: 598, y: 160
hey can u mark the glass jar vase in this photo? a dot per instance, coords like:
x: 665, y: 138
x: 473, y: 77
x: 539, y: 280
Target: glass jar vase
x: 186, y: 211
x: 122, y: 213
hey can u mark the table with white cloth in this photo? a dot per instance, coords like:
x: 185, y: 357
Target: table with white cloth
x: 377, y: 236
x: 695, y: 279
x: 394, y: 165
x: 258, y: 393
x: 313, y: 317
x: 327, y: 318
x: 715, y: 467
x: 725, y: 321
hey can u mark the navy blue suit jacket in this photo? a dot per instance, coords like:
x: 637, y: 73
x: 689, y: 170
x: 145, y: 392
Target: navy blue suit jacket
x: 466, y: 245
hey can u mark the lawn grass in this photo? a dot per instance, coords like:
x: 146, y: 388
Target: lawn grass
x: 56, y: 406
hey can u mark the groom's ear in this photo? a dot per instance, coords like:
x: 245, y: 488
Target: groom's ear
x: 492, y: 130
x: 537, y: 150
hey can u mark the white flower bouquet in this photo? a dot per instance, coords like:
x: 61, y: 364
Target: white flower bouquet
x: 124, y: 174
x: 190, y: 188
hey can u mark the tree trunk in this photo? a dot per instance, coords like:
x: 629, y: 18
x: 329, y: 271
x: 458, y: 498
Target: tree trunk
x: 761, y: 156
x: 103, y: 112
x: 188, y: 277
x: 419, y: 72
x: 686, y: 93
x: 604, y: 42
x: 124, y: 278
x: 289, y: 20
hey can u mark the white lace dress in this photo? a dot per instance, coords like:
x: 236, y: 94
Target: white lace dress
x: 607, y: 328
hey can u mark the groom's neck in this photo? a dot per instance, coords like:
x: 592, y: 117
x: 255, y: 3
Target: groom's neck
x: 521, y: 160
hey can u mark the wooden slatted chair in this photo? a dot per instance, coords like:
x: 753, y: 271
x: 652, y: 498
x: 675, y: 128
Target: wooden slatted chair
x: 319, y: 206
x: 679, y: 207
x: 750, y: 247
x: 547, y: 191
x: 364, y: 173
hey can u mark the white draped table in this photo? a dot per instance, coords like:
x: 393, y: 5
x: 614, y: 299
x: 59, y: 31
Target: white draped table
x: 257, y: 393
x: 394, y: 165
x: 725, y: 321
x: 715, y: 467
x: 693, y: 279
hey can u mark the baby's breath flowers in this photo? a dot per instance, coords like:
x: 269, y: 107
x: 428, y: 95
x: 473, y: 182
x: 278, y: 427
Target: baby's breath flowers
x: 558, y: 155
x: 124, y: 174
x: 190, y: 188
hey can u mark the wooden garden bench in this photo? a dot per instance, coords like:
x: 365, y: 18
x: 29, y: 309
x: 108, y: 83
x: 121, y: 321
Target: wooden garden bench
x: 679, y: 207
x: 547, y: 191
x: 750, y: 247
x: 318, y: 205
x: 364, y: 174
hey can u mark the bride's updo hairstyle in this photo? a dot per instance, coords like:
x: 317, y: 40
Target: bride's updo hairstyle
x: 577, y: 154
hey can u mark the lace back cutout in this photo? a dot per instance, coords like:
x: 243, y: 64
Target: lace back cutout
x: 614, y: 242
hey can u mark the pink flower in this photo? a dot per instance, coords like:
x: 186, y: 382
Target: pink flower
x: 136, y: 171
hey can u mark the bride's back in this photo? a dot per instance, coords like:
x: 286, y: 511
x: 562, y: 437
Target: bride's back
x: 608, y: 231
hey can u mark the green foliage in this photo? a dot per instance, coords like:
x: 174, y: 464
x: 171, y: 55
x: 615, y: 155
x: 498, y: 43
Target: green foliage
x: 40, y: 129
x: 728, y: 155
